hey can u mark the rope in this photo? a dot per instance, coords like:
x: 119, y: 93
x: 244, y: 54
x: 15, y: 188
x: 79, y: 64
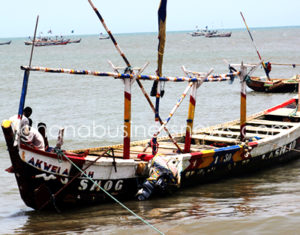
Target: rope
x: 59, y: 153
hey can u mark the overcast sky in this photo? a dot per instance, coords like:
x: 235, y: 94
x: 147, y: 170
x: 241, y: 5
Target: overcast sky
x: 17, y: 17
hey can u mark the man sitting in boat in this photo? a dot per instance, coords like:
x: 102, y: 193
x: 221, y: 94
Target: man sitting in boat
x: 25, y: 119
x: 32, y: 137
x: 42, y: 130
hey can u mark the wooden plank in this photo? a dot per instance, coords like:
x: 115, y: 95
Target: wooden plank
x: 255, y: 128
x: 270, y: 123
x: 236, y: 134
x: 215, y: 139
x: 194, y: 148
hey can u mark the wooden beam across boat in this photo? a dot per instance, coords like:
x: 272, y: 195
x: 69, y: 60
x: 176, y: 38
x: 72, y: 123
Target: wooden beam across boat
x: 256, y: 129
x: 272, y: 123
x: 226, y: 140
x: 210, y: 78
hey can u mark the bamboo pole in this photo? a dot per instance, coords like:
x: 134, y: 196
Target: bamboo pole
x: 211, y: 78
x: 192, y: 107
x: 26, y: 75
x: 162, y: 15
x: 24, y: 88
x: 190, y: 120
x: 174, y: 109
x: 127, y: 118
x: 178, y: 104
x: 282, y: 64
x: 263, y: 64
x: 129, y: 66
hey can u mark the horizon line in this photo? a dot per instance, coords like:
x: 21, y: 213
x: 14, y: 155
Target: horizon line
x: 171, y: 31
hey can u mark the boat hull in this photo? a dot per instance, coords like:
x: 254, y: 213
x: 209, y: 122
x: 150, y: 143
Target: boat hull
x: 43, y: 184
x: 259, y: 85
x: 49, y: 181
x: 5, y: 43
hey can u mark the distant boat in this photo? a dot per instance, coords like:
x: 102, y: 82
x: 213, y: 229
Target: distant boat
x: 218, y: 35
x: 5, y: 43
x: 47, y: 41
x: 103, y: 36
x: 203, y: 32
x: 39, y: 43
x: 75, y: 41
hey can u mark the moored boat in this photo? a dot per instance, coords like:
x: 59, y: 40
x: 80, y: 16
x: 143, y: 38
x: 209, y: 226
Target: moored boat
x: 40, y: 43
x: 75, y: 41
x: 273, y: 85
x: 203, y: 32
x: 102, y: 36
x: 62, y: 178
x: 218, y: 35
x: 5, y: 43
x: 59, y: 178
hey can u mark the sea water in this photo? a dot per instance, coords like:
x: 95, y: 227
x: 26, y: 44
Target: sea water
x: 91, y: 111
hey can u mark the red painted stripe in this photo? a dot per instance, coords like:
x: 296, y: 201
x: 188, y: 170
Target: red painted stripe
x: 127, y: 95
x: 76, y: 158
x: 187, y: 144
x: 126, y: 152
x: 195, y: 161
x: 243, y: 95
x: 253, y: 144
x: 192, y: 100
x: 280, y: 106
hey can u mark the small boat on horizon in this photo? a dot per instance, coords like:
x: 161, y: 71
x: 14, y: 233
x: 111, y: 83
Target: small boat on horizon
x: 203, y: 32
x: 102, y: 36
x: 5, y: 43
x: 51, y: 41
x: 218, y: 35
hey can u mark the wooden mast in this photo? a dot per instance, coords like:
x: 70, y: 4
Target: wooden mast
x: 192, y: 107
x: 259, y: 56
x: 129, y: 67
x: 190, y: 120
x: 26, y: 76
x: 243, y: 109
x: 127, y: 118
x: 162, y: 15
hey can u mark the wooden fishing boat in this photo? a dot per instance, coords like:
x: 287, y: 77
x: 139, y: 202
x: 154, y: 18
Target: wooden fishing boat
x: 66, y: 178
x: 40, y: 43
x: 5, y: 43
x: 218, y: 35
x: 75, y: 41
x: 274, y: 85
x: 203, y: 32
x: 103, y: 37
x: 60, y: 178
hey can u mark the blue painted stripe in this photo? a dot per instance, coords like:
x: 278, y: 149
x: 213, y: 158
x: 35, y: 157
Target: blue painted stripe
x: 23, y: 93
x: 229, y: 149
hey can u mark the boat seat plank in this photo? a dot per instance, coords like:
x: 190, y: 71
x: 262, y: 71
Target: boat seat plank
x: 236, y: 134
x: 215, y: 139
x: 255, y: 128
x: 268, y: 122
x: 197, y: 147
x: 193, y: 148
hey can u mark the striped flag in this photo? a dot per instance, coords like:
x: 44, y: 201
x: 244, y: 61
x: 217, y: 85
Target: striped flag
x: 162, y: 15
